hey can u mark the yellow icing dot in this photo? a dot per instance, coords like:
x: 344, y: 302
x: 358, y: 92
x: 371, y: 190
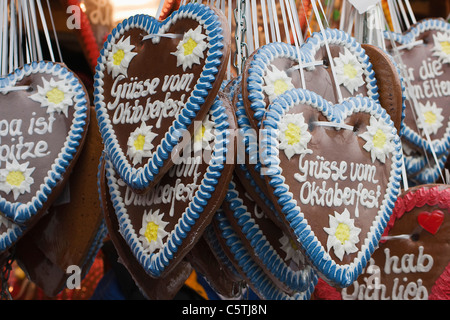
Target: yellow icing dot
x: 430, y: 117
x: 379, y: 139
x: 342, y: 233
x: 151, y: 232
x: 445, y: 45
x: 118, y: 57
x: 280, y: 86
x: 55, y: 96
x: 200, y: 134
x: 189, y: 46
x: 15, y: 178
x: 293, y: 244
x: 293, y: 134
x: 139, y: 142
x: 350, y: 71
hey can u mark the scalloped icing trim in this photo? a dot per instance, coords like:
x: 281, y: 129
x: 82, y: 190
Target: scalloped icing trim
x: 255, y: 276
x: 21, y: 212
x: 418, y: 197
x: 442, y: 145
x: 140, y: 178
x: 343, y: 275
x: 296, y: 280
x: 155, y: 263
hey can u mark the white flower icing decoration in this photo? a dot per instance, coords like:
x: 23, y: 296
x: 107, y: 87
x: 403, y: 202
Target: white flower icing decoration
x: 442, y: 46
x: 349, y: 71
x: 432, y: 116
x: 379, y: 139
x: 140, y: 143
x: 190, y: 49
x: 119, y: 57
x: 342, y: 234
x: 152, y: 232
x: 56, y: 96
x: 17, y: 178
x: 277, y: 82
x: 293, y: 135
x: 204, y: 134
x: 291, y: 249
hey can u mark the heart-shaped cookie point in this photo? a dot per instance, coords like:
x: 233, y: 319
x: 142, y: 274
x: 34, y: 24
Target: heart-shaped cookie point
x: 45, y: 112
x: 153, y: 81
x: 333, y: 172
x: 163, y: 224
x: 431, y: 221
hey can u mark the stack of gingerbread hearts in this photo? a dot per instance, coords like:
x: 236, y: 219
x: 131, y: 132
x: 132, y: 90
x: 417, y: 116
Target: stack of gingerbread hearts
x: 168, y: 133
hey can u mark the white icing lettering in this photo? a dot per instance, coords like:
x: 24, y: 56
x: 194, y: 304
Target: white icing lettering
x: 169, y: 193
x: 402, y: 287
x: 12, y: 128
x: 320, y: 193
x: 23, y: 150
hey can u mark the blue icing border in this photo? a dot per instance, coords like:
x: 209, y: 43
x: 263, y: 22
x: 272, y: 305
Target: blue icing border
x: 342, y: 275
x: 440, y: 146
x: 140, y: 178
x: 295, y: 280
x: 155, y: 263
x: 19, y: 212
x: 255, y: 275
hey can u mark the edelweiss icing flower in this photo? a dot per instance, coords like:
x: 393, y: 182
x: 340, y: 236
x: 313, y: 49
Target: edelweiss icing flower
x: 432, y: 117
x: 204, y: 135
x: 349, y: 71
x: 342, y: 234
x: 442, y: 46
x: 190, y: 49
x: 56, y: 96
x: 17, y: 178
x: 292, y: 251
x: 293, y: 135
x: 152, y: 232
x: 379, y: 139
x: 277, y: 82
x: 119, y: 57
x: 140, y: 143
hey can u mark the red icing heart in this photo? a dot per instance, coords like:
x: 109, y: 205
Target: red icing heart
x: 431, y: 221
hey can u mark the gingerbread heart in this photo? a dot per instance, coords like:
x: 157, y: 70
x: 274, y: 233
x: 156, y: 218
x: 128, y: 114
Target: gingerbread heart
x: 244, y: 263
x: 273, y: 69
x: 334, y: 173
x: 149, y: 92
x: 162, y: 225
x: 269, y: 246
x: 410, y: 264
x: 426, y: 65
x: 45, y: 115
